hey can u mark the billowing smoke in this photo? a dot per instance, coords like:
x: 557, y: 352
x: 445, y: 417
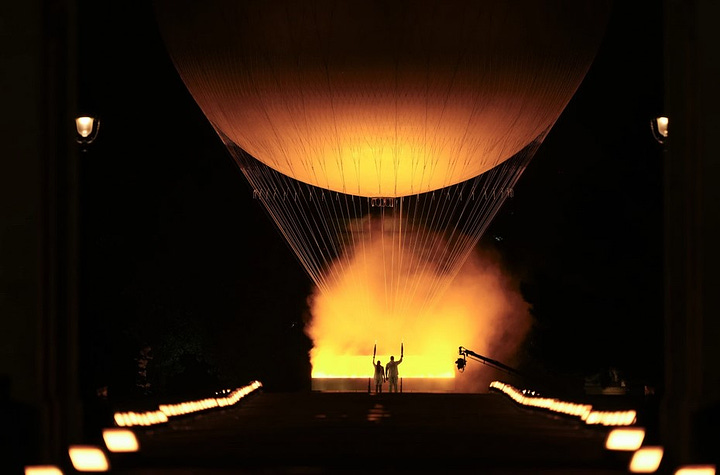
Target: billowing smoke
x: 494, y: 317
x: 388, y: 293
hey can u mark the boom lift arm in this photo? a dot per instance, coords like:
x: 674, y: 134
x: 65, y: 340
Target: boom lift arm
x: 465, y: 353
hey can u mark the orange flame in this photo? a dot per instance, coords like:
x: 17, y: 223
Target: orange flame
x: 380, y: 294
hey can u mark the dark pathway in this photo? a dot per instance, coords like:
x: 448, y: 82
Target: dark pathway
x: 299, y: 433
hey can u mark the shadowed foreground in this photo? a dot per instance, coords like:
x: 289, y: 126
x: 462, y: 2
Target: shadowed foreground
x: 355, y: 432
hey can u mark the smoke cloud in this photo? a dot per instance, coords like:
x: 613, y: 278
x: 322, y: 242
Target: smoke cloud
x: 386, y: 294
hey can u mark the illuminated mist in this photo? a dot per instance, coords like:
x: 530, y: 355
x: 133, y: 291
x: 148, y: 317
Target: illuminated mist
x: 381, y: 294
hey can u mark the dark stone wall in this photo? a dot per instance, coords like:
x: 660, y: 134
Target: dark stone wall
x: 38, y: 295
x: 692, y: 231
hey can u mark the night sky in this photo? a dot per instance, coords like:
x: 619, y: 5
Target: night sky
x: 176, y: 254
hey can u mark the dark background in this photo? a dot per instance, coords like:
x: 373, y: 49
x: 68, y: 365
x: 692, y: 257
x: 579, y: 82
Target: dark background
x: 176, y: 255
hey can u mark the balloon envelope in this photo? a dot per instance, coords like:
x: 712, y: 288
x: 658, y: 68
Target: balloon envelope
x: 382, y: 99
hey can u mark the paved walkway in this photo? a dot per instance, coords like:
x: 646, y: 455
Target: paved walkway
x: 316, y: 432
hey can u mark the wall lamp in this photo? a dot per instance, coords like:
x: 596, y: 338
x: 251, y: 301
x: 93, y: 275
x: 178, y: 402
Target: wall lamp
x: 659, y: 127
x: 87, y: 129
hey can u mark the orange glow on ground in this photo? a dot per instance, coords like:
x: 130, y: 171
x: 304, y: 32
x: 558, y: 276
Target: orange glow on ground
x: 384, y: 294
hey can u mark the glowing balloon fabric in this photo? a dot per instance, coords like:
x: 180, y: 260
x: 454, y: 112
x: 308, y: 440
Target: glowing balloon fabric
x: 382, y: 99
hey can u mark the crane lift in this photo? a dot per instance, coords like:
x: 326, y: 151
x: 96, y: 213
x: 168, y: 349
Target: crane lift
x: 465, y: 353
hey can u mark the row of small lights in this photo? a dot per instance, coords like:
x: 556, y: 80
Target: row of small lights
x: 86, y: 458
x: 164, y: 411
x: 630, y: 439
x: 584, y: 411
x: 647, y: 459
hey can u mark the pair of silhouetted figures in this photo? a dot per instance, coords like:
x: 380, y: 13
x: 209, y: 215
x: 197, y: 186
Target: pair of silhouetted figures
x: 389, y: 373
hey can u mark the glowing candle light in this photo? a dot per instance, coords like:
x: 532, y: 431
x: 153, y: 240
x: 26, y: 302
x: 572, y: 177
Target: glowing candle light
x: 696, y: 470
x: 42, y: 470
x: 646, y: 460
x: 87, y: 458
x: 120, y: 440
x: 625, y: 438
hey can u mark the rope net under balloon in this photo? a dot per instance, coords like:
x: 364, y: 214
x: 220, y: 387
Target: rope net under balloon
x: 398, y: 254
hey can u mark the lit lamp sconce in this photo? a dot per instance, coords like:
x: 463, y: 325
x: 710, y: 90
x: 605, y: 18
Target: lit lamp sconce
x: 87, y: 129
x: 659, y: 127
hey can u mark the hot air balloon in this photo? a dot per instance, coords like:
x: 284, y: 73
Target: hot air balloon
x: 399, y: 126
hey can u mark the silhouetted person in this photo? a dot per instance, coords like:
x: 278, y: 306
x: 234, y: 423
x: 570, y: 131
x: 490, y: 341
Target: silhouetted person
x: 391, y: 372
x: 379, y: 376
